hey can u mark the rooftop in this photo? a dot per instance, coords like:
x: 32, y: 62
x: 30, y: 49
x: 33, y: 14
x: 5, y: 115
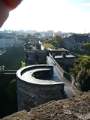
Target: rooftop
x: 67, y: 56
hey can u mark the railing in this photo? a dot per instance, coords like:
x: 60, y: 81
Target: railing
x: 57, y: 66
x: 54, y: 61
x: 8, y: 71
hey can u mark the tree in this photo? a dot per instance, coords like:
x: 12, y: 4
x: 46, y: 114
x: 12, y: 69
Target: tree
x: 48, y: 45
x: 83, y: 78
x: 81, y: 72
x: 86, y: 47
x: 56, y: 42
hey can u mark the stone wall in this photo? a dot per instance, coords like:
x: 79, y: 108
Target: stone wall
x: 36, y: 57
x: 31, y: 95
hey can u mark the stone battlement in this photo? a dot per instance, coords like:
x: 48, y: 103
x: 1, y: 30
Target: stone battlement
x: 33, y: 88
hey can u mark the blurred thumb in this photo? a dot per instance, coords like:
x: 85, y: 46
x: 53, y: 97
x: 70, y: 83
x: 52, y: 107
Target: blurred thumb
x: 11, y: 4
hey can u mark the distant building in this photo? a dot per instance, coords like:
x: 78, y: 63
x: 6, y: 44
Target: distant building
x: 65, y: 61
x: 59, y: 51
x: 63, y: 56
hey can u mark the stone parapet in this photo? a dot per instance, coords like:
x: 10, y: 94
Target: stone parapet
x: 35, y: 91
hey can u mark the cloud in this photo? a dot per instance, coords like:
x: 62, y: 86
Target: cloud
x: 49, y: 14
x: 85, y: 4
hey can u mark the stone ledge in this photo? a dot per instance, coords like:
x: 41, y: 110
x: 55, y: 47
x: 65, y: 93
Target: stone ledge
x: 27, y: 74
x: 76, y: 108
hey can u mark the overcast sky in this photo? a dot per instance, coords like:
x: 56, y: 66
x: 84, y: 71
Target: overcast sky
x: 57, y: 15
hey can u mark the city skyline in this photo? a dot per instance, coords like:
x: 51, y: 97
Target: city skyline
x: 56, y: 15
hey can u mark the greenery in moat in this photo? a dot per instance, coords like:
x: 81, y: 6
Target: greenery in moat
x: 12, y: 58
x: 81, y: 72
x: 12, y: 61
x: 56, y: 42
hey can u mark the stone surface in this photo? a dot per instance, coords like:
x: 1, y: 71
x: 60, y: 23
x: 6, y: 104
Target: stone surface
x: 33, y: 91
x: 31, y: 95
x: 76, y: 108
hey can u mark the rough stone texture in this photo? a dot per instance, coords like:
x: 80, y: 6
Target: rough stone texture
x: 31, y: 95
x: 36, y: 89
x: 22, y: 115
x: 36, y: 57
x: 76, y: 108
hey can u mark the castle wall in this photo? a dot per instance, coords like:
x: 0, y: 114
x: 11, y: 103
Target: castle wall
x: 31, y: 95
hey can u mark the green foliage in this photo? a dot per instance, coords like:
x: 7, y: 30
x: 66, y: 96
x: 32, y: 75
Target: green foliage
x: 23, y: 64
x: 12, y: 58
x: 56, y: 42
x: 84, y: 62
x: 81, y: 62
x: 83, y: 78
x: 81, y: 72
x: 48, y: 45
x: 86, y: 47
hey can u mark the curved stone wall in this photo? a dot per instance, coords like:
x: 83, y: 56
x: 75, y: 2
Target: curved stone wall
x: 33, y: 89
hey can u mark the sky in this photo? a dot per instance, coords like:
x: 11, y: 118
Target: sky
x: 56, y: 15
